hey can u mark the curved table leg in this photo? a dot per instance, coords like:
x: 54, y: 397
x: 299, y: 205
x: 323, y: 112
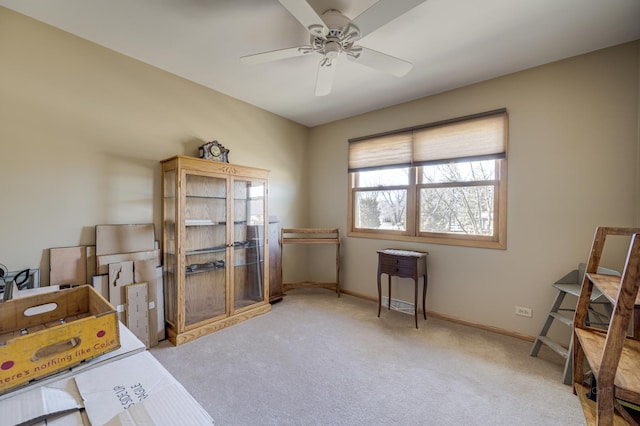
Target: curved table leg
x: 415, y: 301
x: 379, y: 293
x: 424, y: 297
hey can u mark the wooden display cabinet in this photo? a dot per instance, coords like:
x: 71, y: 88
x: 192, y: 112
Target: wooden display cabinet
x: 216, y: 260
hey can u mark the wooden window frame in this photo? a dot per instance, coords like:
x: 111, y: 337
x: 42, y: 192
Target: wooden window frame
x: 412, y: 214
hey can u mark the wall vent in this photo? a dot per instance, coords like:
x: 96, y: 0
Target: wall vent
x: 398, y: 305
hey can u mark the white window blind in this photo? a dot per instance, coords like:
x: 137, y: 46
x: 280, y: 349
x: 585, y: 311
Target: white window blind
x: 377, y: 152
x: 480, y: 136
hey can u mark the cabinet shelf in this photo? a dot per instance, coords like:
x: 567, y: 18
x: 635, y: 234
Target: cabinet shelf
x: 240, y: 265
x: 206, y: 250
x: 206, y: 222
x: 206, y: 197
x: 203, y: 270
x: 203, y: 222
x: 238, y: 245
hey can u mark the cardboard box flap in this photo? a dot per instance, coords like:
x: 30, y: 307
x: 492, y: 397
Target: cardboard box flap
x: 35, y: 404
x: 74, y: 418
x: 109, y: 390
x: 169, y: 406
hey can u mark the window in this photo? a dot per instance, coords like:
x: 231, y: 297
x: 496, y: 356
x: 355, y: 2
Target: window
x: 443, y: 182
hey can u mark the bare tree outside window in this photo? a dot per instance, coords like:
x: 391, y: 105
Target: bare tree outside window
x: 458, y: 198
x: 386, y: 206
x: 368, y: 210
x: 394, y: 207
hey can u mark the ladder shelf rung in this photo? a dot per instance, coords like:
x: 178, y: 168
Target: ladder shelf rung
x: 563, y: 319
x: 556, y: 347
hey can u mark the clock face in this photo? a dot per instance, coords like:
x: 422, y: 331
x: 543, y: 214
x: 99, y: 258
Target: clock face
x: 214, y: 151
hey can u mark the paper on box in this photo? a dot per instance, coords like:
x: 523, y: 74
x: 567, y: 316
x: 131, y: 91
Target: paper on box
x: 141, y: 384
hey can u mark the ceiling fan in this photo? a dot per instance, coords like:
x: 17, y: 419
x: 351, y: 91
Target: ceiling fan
x: 334, y: 34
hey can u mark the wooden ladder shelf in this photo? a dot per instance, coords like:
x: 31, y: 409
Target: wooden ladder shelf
x: 611, y: 358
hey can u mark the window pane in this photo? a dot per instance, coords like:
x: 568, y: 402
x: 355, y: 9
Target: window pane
x: 457, y: 210
x: 467, y: 171
x: 381, y: 209
x: 386, y: 177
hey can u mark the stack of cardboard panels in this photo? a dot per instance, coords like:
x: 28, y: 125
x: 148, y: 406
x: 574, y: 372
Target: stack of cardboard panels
x: 129, y: 258
x: 124, y: 266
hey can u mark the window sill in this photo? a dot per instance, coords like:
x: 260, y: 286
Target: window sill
x: 451, y: 241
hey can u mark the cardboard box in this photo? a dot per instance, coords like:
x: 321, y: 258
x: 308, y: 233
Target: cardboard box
x: 46, y: 333
x: 129, y: 345
x: 134, y: 390
x: 138, y: 390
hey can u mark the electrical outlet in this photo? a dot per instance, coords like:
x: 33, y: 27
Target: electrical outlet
x: 524, y: 312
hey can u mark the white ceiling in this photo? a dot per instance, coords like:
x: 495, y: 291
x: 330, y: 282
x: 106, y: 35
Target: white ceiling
x: 451, y: 43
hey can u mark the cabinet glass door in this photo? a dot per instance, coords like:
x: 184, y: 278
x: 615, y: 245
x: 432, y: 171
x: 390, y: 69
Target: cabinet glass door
x: 170, y: 249
x: 205, y: 224
x: 248, y: 243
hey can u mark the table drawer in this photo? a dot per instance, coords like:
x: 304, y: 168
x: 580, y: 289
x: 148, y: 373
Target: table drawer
x: 398, y: 266
x: 397, y: 261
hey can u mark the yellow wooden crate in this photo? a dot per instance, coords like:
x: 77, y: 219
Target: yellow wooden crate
x: 43, y: 334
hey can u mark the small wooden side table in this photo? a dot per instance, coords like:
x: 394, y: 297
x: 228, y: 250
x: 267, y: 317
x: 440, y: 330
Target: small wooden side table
x: 403, y: 264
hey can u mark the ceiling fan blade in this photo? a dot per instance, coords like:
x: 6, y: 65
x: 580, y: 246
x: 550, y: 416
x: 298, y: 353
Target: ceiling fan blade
x: 382, y: 12
x: 382, y: 62
x: 324, y: 80
x: 308, y: 17
x: 275, y: 55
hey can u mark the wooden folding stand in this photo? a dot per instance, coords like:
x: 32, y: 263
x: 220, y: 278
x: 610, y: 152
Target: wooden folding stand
x: 312, y: 236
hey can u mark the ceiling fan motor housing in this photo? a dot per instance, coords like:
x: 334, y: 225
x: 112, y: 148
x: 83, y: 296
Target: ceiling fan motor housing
x: 339, y: 35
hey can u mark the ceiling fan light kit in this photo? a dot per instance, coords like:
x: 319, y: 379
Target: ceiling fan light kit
x: 334, y: 34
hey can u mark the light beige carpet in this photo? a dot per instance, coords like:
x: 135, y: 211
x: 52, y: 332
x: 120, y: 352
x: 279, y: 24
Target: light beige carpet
x: 321, y: 360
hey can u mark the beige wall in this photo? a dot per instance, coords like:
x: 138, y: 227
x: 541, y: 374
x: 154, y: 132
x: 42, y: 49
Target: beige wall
x: 573, y: 145
x: 638, y: 152
x: 82, y: 131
